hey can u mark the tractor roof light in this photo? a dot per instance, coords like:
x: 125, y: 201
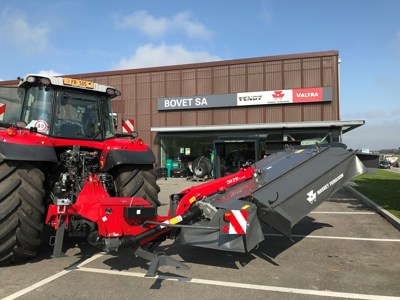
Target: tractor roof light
x: 113, y: 92
x: 31, y: 79
x: 45, y: 81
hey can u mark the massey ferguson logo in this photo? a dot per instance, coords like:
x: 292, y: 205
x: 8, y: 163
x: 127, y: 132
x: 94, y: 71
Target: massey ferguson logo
x: 278, y: 95
x: 312, y: 197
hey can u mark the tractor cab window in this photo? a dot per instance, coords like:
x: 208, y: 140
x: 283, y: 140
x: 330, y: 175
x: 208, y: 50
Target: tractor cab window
x: 109, y: 119
x: 37, y: 109
x: 78, y: 115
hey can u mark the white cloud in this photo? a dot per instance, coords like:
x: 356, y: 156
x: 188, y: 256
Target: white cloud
x: 158, y: 27
x: 15, y: 29
x: 163, y: 55
x: 51, y: 73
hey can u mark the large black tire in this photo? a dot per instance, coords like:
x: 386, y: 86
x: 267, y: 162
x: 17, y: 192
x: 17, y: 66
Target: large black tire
x: 21, y: 210
x: 131, y: 181
x: 201, y: 167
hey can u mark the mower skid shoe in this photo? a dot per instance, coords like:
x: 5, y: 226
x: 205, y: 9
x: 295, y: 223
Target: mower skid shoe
x: 157, y: 260
x: 58, y: 241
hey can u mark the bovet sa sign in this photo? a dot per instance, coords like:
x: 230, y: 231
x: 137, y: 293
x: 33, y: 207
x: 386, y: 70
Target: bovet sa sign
x: 196, y: 102
x: 306, y: 95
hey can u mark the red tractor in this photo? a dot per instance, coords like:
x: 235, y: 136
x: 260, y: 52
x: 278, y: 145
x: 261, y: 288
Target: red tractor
x: 56, y: 134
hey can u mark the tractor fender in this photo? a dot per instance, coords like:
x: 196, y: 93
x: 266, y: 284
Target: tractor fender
x: 126, y: 157
x: 27, y: 152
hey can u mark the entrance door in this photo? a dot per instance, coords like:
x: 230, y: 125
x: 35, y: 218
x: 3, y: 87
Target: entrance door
x: 231, y: 155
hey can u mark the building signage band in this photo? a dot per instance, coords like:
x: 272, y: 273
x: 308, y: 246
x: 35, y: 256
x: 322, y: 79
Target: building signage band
x: 307, y: 95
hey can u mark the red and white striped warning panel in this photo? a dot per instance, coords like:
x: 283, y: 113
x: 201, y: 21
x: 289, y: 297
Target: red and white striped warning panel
x: 238, y: 222
x: 2, y: 111
x: 128, y: 126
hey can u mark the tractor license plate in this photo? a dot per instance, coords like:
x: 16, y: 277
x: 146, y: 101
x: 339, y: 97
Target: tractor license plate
x: 78, y: 82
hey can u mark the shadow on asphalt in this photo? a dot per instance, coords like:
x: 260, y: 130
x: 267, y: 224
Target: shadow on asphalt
x: 267, y: 250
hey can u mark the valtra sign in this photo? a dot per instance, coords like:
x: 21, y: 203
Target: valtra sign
x: 307, y: 95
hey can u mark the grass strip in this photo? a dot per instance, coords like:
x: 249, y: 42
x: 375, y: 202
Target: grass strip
x: 383, y: 188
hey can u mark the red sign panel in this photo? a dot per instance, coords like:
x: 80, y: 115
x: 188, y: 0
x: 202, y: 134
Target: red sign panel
x: 307, y: 95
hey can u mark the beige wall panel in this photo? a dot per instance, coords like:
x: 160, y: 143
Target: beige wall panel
x: 312, y: 112
x: 189, y: 87
x: 328, y: 79
x: 154, y: 106
x: 143, y: 107
x: 158, y: 85
x: 204, y: 117
x: 129, y: 79
x: 173, y: 84
x: 188, y: 74
x: 221, y: 116
x: 292, y: 79
x: 273, y: 114
x: 189, y: 118
x: 238, y: 78
x: 238, y: 115
x: 221, y: 85
x: 115, y: 81
x: 204, y: 81
x: 255, y: 82
x: 221, y: 80
x: 143, y: 86
x: 101, y: 80
x: 330, y: 112
x: 204, y: 86
x: 292, y: 113
x: 255, y: 114
x: 173, y: 118
x: 159, y: 120
x: 118, y: 106
x: 273, y: 75
x: 142, y: 123
x: 312, y: 78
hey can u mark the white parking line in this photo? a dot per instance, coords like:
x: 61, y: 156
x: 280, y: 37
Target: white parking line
x: 333, y: 237
x: 51, y: 278
x: 243, y: 285
x: 344, y: 212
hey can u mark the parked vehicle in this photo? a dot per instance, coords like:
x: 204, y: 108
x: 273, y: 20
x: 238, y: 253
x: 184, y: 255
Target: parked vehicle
x: 384, y: 164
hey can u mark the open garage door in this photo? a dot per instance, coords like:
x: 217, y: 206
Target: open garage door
x: 230, y: 155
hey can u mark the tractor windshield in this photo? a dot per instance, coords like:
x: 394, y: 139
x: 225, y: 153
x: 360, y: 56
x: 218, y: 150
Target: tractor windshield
x: 76, y: 114
x: 80, y: 115
x: 37, y: 108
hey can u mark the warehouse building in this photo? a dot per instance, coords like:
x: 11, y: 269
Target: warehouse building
x: 232, y: 111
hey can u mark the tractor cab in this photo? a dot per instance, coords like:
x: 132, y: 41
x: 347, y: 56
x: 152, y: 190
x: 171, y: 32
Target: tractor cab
x: 65, y: 108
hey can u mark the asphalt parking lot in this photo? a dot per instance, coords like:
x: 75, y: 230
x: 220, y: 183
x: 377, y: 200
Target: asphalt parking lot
x: 343, y: 250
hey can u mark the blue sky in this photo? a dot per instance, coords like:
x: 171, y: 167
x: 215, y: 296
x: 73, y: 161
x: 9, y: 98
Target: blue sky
x: 71, y: 36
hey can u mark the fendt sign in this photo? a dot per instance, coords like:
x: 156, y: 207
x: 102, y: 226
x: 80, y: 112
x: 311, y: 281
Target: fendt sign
x: 308, y: 95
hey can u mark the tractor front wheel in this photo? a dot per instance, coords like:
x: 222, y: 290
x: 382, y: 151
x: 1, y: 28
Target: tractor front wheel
x: 21, y: 210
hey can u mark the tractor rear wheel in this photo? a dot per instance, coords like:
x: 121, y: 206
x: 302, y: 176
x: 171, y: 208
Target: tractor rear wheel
x: 21, y: 210
x: 132, y: 182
